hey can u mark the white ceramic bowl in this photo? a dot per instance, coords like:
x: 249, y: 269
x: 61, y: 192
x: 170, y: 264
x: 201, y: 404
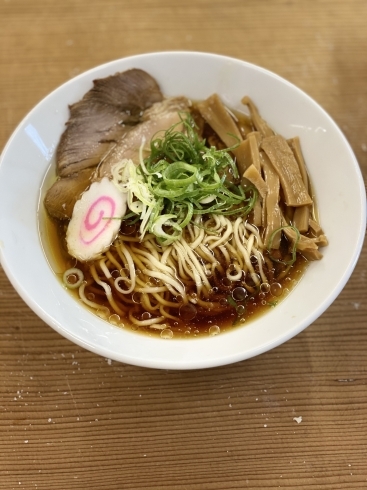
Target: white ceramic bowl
x: 334, y: 172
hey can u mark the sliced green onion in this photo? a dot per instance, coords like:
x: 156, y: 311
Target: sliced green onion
x: 73, y: 278
x: 163, y: 237
x: 179, y: 174
x: 182, y: 177
x: 294, y: 248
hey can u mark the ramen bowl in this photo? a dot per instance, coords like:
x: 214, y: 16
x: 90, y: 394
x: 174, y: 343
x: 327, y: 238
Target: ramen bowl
x: 333, y: 170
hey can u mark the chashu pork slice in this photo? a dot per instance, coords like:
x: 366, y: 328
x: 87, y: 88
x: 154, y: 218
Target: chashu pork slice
x: 102, y: 116
x: 156, y: 120
x: 65, y: 192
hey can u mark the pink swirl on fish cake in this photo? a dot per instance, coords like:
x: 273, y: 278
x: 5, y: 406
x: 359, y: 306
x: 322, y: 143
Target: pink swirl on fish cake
x: 95, y: 217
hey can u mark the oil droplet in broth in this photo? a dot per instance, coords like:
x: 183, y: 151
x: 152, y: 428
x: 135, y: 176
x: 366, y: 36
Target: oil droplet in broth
x: 167, y: 333
x: 214, y: 330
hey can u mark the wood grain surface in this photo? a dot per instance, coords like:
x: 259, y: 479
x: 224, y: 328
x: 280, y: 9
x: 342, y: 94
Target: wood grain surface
x: 293, y: 418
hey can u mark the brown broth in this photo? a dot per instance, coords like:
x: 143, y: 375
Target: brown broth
x: 202, y: 325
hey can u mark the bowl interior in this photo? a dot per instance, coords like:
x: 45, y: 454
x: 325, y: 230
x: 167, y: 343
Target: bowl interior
x: 334, y: 172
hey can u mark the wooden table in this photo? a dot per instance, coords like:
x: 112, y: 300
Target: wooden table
x: 292, y: 418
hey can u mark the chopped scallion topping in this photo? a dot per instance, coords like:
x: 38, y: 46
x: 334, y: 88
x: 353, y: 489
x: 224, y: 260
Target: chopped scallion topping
x: 294, y: 247
x: 181, y: 178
